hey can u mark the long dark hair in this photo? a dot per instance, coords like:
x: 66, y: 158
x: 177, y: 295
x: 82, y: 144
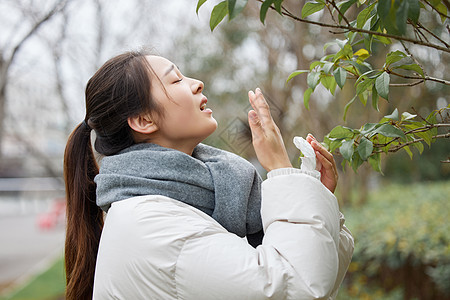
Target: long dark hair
x: 120, y: 89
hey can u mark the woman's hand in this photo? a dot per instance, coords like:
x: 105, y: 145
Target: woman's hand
x: 266, y: 136
x: 328, y: 172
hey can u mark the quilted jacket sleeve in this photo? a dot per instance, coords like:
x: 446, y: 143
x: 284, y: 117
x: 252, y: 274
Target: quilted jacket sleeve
x: 304, y: 255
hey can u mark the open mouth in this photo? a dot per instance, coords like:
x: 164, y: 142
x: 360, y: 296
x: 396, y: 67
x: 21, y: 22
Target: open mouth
x: 203, y: 104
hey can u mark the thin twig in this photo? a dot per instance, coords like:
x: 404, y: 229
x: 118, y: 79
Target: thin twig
x: 446, y: 82
x: 436, y: 9
x: 420, y: 116
x: 414, y: 58
x: 339, y: 11
x: 396, y: 148
x: 431, y: 33
x: 406, y: 84
x: 331, y: 13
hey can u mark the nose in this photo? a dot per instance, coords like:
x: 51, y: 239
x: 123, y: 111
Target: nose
x: 197, y: 86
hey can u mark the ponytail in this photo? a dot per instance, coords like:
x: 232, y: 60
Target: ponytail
x: 84, y: 217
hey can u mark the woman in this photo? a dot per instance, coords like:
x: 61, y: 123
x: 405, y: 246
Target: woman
x: 177, y: 209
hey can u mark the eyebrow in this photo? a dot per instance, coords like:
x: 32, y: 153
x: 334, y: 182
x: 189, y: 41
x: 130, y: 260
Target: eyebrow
x: 169, y: 70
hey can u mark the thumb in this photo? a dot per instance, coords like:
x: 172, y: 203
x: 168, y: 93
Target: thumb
x: 255, y: 124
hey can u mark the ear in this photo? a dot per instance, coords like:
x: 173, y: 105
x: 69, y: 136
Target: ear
x: 142, y: 124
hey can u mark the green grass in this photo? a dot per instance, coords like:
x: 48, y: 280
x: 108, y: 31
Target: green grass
x: 48, y: 285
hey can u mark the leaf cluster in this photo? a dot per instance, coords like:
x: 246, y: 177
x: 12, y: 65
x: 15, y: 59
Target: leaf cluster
x: 392, y: 133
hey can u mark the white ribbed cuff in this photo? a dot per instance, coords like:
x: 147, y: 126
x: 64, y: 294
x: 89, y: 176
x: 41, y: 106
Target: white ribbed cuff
x: 288, y: 171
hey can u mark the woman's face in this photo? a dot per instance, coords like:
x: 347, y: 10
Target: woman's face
x: 186, y: 121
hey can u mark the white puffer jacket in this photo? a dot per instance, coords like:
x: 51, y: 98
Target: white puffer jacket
x: 154, y: 247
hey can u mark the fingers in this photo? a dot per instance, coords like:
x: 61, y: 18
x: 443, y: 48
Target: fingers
x: 319, y: 148
x: 327, y: 164
x: 261, y: 107
x: 255, y: 125
x: 328, y: 169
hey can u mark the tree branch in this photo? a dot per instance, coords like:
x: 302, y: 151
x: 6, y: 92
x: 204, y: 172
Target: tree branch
x: 58, y: 7
x: 443, y: 81
x: 396, y: 148
x: 406, y: 84
x: 360, y: 30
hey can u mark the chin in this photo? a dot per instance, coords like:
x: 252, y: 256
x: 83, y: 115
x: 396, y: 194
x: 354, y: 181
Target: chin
x: 210, y: 128
x: 213, y: 126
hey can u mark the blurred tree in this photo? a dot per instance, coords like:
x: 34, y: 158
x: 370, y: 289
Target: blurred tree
x: 12, y: 45
x: 48, y: 51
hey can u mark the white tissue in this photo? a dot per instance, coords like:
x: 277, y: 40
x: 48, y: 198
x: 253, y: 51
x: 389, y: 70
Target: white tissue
x: 309, y: 162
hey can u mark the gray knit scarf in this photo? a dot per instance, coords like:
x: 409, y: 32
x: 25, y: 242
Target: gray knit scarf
x: 219, y: 183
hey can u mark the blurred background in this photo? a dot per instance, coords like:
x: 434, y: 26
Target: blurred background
x: 50, y: 48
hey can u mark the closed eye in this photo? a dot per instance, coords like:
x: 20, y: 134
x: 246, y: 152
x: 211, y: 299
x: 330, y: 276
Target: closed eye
x: 176, y: 81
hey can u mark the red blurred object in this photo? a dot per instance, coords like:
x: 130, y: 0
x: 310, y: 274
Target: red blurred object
x: 53, y: 217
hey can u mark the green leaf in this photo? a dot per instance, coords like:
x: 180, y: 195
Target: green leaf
x: 235, y: 7
x: 347, y: 106
x: 393, y: 116
x: 382, y: 85
x: 356, y: 161
x: 375, y: 162
x: 402, y: 16
x: 334, y: 144
x: 414, y: 10
x: 327, y: 67
x: 295, y: 73
x: 362, y: 53
x: 340, y: 75
x: 443, y: 10
x: 264, y: 8
x: 406, y: 148
x: 369, y: 128
x: 383, y: 8
x: 344, y: 6
x: 413, y: 67
x: 341, y: 132
x: 278, y: 6
x: 333, y: 85
x: 346, y: 52
x: 407, y: 116
x: 218, y: 13
x: 365, y: 148
x: 327, y: 81
x: 390, y: 131
x: 364, y: 86
x: 313, y: 79
x: 363, y: 16
x: 199, y: 4
x: 311, y: 7
x: 315, y: 64
x: 427, y: 136
x: 346, y: 149
x: 375, y: 98
x: 341, y: 43
x: 363, y: 97
x: 393, y: 57
x: 306, y: 96
x: 383, y: 39
x: 361, y: 68
x: 419, y: 146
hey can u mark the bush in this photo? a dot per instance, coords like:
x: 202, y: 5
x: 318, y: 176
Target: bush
x: 402, y: 241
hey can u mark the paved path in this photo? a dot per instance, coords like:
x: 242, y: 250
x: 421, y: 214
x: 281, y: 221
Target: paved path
x: 25, y: 248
